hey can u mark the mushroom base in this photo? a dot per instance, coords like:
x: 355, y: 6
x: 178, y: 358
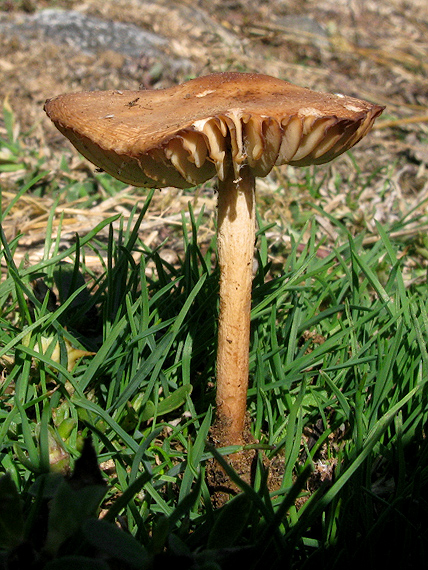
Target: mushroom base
x: 222, y: 488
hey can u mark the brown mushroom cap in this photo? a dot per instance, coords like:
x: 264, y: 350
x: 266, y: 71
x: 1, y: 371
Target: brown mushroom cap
x: 184, y: 135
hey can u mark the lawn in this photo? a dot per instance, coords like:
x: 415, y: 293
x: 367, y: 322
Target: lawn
x: 108, y: 387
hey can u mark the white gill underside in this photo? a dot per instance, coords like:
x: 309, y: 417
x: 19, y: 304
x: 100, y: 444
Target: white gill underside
x: 261, y: 142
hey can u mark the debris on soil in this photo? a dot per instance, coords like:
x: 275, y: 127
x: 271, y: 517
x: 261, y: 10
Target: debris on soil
x: 49, y: 47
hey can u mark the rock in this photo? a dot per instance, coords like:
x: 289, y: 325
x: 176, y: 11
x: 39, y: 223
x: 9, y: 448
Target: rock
x: 88, y: 34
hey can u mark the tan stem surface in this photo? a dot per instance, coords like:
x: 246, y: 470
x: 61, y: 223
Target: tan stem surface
x: 236, y: 236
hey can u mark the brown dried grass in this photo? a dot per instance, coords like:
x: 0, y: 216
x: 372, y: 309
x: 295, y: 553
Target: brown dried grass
x: 372, y: 49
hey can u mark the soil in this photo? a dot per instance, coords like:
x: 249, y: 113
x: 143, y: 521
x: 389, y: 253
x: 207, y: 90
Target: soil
x: 369, y: 49
x: 373, y: 49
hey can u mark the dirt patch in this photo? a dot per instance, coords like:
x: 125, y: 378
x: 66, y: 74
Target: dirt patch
x: 350, y: 47
x: 374, y: 49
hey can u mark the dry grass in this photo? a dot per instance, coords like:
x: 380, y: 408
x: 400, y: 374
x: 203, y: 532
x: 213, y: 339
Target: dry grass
x: 375, y: 50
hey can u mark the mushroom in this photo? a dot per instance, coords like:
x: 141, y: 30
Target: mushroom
x: 235, y: 126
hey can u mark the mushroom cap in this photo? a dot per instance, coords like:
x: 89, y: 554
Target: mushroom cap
x: 184, y: 135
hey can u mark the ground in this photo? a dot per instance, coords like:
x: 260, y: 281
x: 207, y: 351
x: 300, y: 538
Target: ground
x: 369, y: 49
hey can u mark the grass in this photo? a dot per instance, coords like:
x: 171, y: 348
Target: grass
x: 338, y: 402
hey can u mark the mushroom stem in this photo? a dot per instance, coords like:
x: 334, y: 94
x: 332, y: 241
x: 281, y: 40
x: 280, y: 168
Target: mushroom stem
x: 235, y: 242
